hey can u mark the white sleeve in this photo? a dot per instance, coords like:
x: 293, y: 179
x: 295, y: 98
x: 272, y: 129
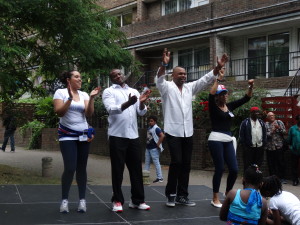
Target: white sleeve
x: 273, y: 204
x: 203, y: 82
x: 110, y: 104
x: 162, y: 84
x: 59, y: 94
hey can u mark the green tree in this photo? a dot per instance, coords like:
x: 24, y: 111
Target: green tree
x: 48, y: 36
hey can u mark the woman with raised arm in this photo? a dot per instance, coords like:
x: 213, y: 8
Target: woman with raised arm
x: 75, y: 135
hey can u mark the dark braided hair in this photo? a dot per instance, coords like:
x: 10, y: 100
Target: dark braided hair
x: 64, y: 75
x: 253, y: 175
x: 272, y: 185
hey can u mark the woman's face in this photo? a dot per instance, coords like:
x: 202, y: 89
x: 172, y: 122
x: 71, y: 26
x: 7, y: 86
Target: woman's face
x: 222, y: 97
x: 75, y: 80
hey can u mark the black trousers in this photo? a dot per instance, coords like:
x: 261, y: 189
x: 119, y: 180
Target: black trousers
x: 276, y: 163
x: 295, y: 164
x: 179, y: 170
x: 253, y: 155
x: 126, y: 151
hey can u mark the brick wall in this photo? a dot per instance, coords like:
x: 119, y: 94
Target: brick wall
x: 228, y: 10
x: 110, y: 4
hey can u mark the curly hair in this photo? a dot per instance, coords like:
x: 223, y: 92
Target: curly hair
x: 65, y: 75
x: 272, y: 185
x: 152, y: 117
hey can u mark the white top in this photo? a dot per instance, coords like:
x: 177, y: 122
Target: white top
x: 74, y: 118
x: 288, y: 205
x: 122, y: 123
x: 177, y: 106
x: 256, y: 131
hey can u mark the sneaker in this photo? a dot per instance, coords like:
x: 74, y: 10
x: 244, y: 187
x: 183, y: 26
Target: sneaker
x: 171, y: 201
x: 182, y: 200
x: 64, y: 206
x: 117, y: 207
x: 142, y: 206
x: 158, y: 180
x: 82, y: 206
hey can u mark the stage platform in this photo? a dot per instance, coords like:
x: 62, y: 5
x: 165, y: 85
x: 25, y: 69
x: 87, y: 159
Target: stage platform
x: 39, y: 204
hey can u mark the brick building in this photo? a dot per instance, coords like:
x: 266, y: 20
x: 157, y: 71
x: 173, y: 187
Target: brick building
x: 260, y: 36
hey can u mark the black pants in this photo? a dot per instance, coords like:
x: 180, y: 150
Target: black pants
x: 253, y: 155
x: 75, y: 155
x: 295, y: 164
x: 276, y: 163
x: 126, y: 151
x: 179, y: 170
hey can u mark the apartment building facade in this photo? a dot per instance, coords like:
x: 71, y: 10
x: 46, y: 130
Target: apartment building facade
x: 262, y: 37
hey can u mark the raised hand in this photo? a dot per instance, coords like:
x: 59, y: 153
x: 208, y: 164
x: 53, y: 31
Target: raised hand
x: 251, y: 83
x: 95, y: 92
x: 222, y: 61
x: 166, y: 56
x: 69, y: 90
x: 132, y: 99
x: 145, y: 95
x: 221, y: 73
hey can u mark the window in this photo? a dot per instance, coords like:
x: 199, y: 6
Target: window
x: 172, y: 6
x: 195, y: 61
x: 124, y: 19
x: 268, y: 56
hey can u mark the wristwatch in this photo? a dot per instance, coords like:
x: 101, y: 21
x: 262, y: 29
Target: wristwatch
x: 70, y: 98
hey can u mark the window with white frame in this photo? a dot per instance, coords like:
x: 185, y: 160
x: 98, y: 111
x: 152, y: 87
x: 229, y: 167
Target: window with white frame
x: 172, y: 6
x: 124, y: 19
x: 195, y: 61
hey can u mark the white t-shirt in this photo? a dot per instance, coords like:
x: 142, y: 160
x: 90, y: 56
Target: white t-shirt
x: 288, y: 205
x: 75, y: 116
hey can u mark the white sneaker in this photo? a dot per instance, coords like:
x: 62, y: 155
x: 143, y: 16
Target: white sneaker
x: 64, y: 206
x: 141, y: 206
x: 82, y: 206
x: 117, y: 207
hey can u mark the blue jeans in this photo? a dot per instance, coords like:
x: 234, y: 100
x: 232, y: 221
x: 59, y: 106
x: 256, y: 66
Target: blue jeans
x: 153, y: 154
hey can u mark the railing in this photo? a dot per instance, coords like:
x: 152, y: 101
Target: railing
x: 294, y: 87
x: 276, y: 65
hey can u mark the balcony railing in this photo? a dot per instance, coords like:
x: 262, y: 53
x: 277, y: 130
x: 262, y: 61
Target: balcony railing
x: 294, y: 87
x: 267, y: 66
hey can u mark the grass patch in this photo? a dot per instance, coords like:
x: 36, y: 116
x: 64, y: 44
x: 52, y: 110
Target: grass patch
x: 12, y: 175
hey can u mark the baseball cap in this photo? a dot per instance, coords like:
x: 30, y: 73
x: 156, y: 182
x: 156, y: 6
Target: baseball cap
x: 254, y: 109
x: 221, y: 88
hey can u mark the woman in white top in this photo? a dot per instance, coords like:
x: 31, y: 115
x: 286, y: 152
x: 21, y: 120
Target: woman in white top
x: 75, y: 135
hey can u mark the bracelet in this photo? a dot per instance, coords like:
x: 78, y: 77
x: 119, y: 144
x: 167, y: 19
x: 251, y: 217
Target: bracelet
x: 70, y: 98
x: 250, y: 87
x: 165, y: 65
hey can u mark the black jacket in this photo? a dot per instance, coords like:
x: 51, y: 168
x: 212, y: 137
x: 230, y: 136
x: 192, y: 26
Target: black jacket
x: 246, y: 135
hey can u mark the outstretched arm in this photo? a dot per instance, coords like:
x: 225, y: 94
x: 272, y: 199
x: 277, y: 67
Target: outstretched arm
x: 221, y: 63
x: 214, y: 87
x: 250, y: 88
x: 165, y: 62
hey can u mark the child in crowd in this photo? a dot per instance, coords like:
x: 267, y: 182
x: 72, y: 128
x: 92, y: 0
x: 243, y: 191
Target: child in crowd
x: 246, y: 206
x: 155, y: 137
x: 284, y: 206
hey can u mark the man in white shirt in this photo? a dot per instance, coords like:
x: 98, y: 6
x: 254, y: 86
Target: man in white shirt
x: 177, y: 99
x: 123, y: 105
x: 253, y: 137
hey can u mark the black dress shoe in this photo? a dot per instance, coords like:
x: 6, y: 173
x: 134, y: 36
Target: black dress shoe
x: 295, y: 182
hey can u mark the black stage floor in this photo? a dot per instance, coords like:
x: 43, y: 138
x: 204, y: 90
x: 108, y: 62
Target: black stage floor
x: 39, y: 204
